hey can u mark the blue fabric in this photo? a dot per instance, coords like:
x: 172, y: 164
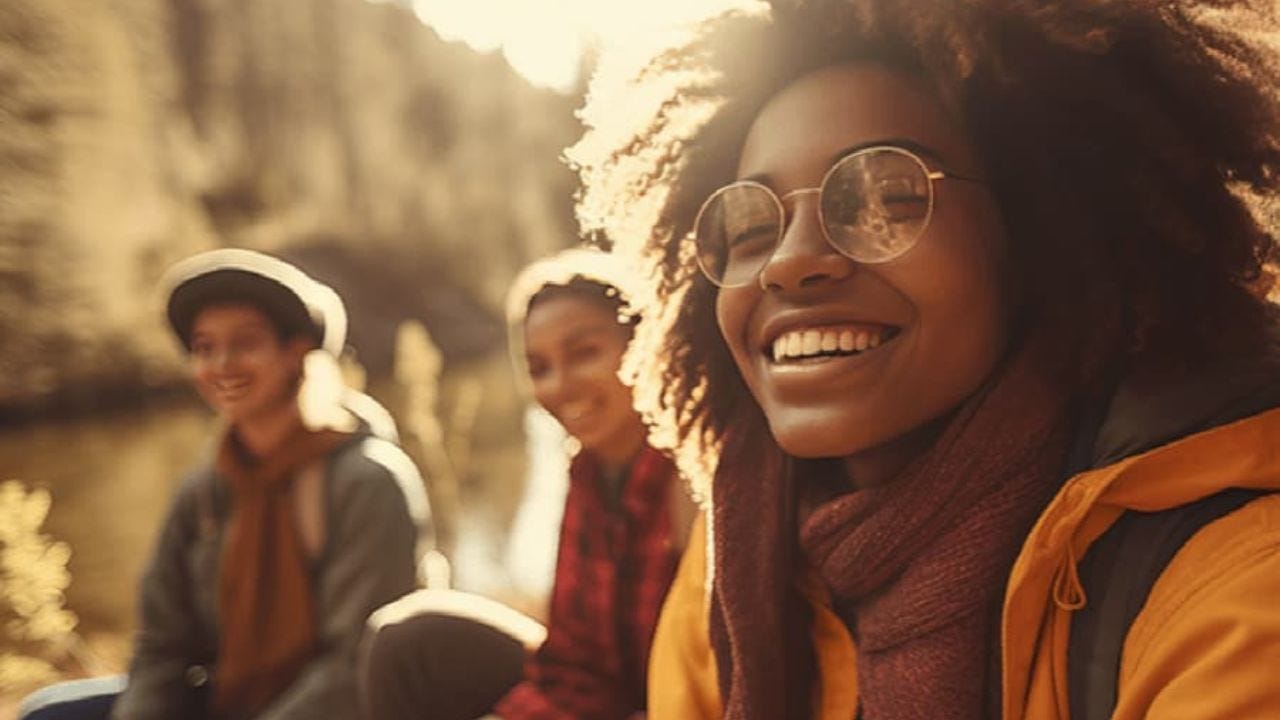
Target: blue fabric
x: 89, y: 699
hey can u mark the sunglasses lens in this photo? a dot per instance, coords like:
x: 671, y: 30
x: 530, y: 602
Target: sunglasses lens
x: 876, y: 204
x: 736, y: 233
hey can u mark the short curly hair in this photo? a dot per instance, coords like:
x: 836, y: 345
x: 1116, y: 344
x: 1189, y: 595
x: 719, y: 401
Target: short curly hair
x: 1134, y: 148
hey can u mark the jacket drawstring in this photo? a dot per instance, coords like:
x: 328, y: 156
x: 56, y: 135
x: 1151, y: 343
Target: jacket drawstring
x: 1068, y: 591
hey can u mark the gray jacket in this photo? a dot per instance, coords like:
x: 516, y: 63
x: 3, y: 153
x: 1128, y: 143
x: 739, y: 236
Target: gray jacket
x: 373, y: 518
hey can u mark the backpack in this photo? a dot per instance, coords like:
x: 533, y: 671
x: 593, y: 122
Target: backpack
x: 1117, y: 574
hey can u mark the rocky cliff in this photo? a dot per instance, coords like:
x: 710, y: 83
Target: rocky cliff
x: 133, y: 132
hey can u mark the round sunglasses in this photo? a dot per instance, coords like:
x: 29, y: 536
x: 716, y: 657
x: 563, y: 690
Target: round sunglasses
x: 873, y: 206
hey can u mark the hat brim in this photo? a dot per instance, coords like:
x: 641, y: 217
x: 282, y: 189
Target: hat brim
x: 231, y: 286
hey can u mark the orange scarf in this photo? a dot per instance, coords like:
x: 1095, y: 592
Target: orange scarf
x: 266, y: 607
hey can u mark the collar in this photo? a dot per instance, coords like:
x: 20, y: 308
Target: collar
x: 1151, y: 410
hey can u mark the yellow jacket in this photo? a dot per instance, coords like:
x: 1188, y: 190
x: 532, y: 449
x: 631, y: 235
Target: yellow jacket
x: 1205, y: 645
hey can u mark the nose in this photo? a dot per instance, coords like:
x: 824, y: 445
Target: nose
x: 223, y: 359
x: 803, y: 257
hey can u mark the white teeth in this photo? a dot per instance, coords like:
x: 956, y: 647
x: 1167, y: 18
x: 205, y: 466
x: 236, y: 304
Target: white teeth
x: 807, y: 343
x: 812, y: 342
x: 575, y: 411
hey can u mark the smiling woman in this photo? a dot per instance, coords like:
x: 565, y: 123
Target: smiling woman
x: 574, y: 344
x: 959, y: 302
x: 626, y: 519
x: 942, y: 299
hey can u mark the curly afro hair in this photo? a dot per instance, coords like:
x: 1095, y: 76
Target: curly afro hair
x: 1134, y: 148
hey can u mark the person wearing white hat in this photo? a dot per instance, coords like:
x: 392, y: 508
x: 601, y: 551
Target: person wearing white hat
x: 298, y: 524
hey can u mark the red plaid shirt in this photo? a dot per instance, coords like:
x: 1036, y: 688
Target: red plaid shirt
x: 612, y: 573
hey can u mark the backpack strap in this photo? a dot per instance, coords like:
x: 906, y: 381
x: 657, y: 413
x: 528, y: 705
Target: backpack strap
x: 1117, y: 574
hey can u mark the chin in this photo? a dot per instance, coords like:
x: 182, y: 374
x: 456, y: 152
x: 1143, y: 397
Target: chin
x: 807, y: 448
x: 589, y: 440
x: 242, y: 412
x: 807, y: 442
x: 594, y: 444
x: 233, y: 415
x: 816, y: 436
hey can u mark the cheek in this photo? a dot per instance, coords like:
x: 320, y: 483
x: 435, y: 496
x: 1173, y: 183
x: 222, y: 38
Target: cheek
x: 733, y: 308
x: 274, y: 371
x: 602, y: 374
x: 971, y: 241
x: 541, y: 393
x: 956, y: 289
x: 201, y: 372
x: 979, y: 280
x: 289, y: 372
x: 618, y: 406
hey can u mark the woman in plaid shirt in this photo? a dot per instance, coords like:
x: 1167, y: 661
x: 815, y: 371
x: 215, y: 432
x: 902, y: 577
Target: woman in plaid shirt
x: 445, y: 655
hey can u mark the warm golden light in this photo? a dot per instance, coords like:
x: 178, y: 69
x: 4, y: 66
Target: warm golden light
x: 545, y: 40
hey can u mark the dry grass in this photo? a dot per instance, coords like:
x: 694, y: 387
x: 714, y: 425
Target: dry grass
x: 38, y: 642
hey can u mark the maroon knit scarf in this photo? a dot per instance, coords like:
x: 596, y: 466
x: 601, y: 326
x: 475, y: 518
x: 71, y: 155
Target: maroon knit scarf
x: 916, y: 567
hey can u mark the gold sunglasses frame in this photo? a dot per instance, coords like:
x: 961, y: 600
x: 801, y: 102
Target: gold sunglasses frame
x: 931, y: 175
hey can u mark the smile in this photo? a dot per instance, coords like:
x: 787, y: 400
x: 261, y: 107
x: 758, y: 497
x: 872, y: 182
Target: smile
x: 575, y: 411
x: 231, y: 388
x: 816, y: 343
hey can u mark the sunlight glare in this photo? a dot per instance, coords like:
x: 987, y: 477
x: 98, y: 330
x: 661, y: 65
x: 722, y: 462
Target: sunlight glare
x: 544, y: 40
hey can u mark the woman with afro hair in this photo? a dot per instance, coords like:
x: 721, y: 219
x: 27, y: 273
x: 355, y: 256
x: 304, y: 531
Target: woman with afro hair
x: 961, y: 313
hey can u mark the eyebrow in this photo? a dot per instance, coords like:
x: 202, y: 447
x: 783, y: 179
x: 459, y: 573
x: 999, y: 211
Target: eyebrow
x: 586, y: 331
x: 918, y: 148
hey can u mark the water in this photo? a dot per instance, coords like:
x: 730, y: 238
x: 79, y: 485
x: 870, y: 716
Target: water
x: 111, y: 478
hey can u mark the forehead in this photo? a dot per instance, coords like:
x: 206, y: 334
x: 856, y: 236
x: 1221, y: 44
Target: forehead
x: 801, y: 130
x: 565, y: 318
x: 229, y: 316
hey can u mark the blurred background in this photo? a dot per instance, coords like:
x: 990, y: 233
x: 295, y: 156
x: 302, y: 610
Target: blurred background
x: 407, y: 153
